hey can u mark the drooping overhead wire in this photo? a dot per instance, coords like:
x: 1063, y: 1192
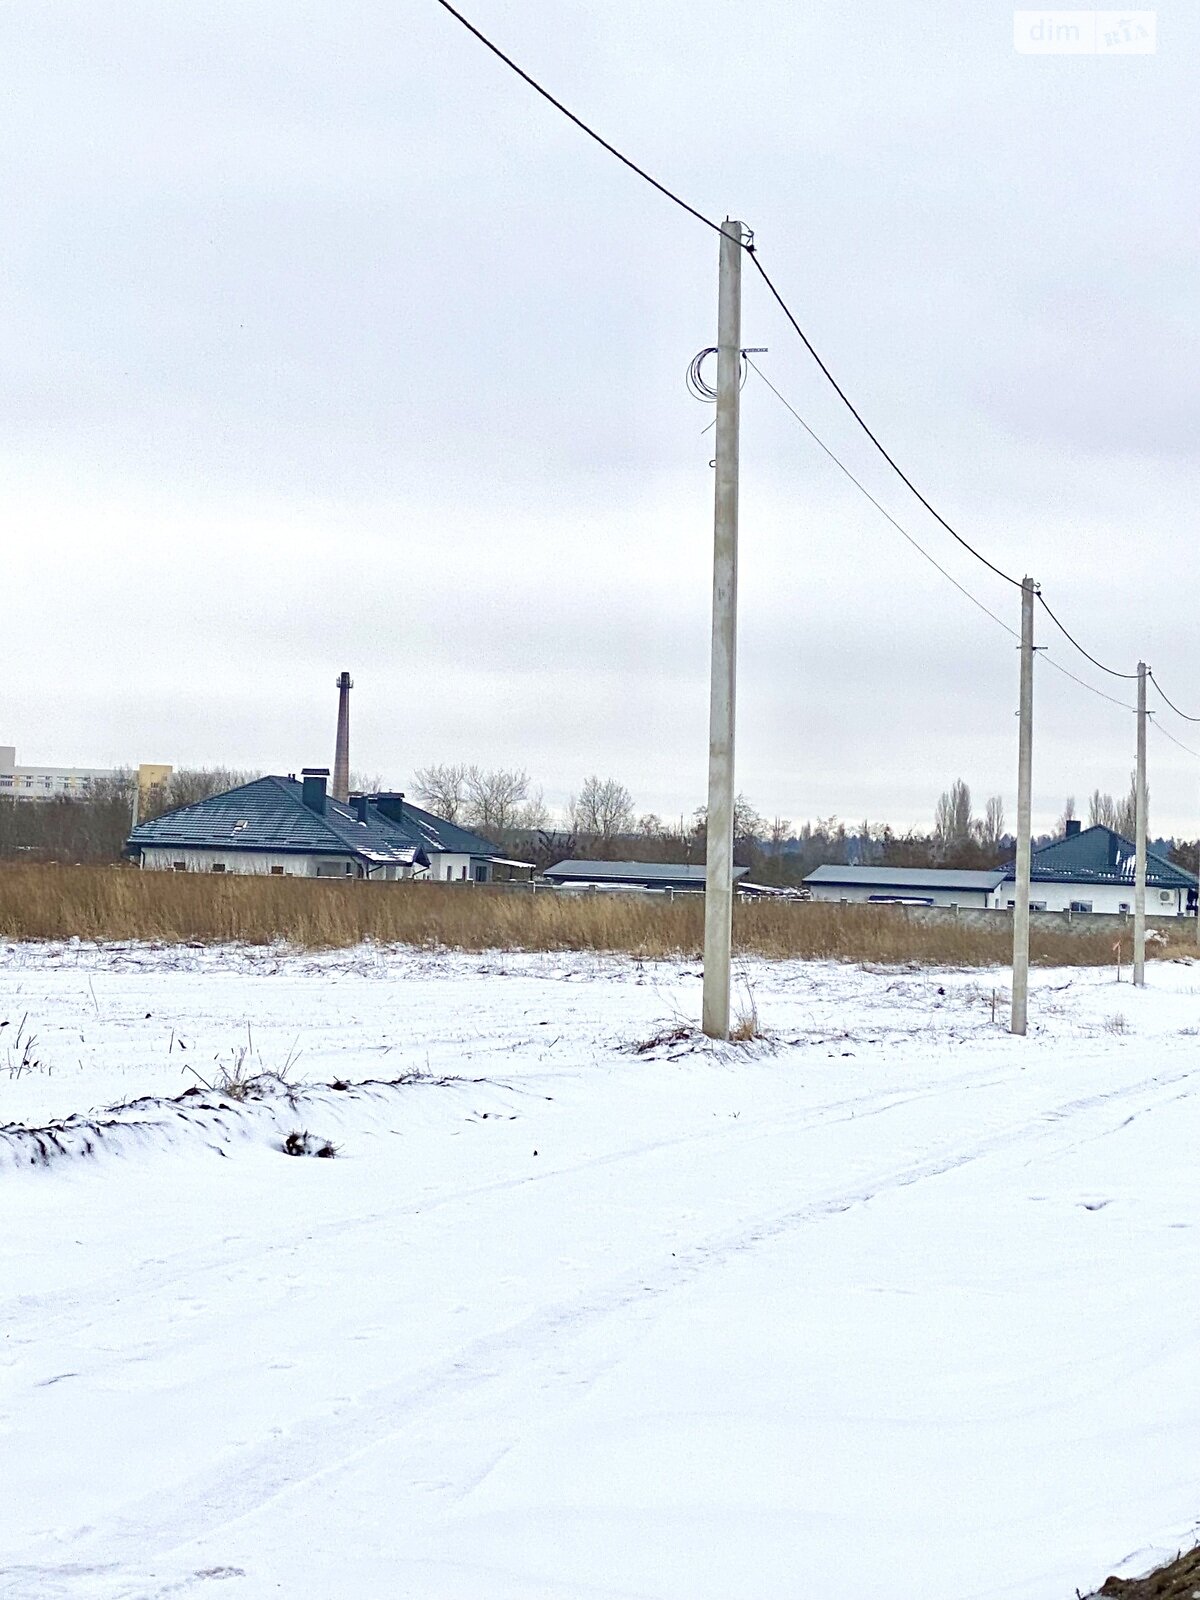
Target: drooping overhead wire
x: 578, y: 121
x: 1171, y: 702
x: 1174, y: 740
x: 903, y: 532
x: 1042, y: 655
x: 856, y: 414
x: 1070, y: 638
x: 749, y: 247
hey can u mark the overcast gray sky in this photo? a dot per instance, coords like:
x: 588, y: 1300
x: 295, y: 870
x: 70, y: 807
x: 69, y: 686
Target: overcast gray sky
x: 328, y: 344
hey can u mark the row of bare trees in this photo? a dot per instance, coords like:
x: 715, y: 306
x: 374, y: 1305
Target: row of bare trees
x: 93, y: 826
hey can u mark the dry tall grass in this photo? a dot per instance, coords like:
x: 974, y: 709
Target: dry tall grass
x: 111, y: 903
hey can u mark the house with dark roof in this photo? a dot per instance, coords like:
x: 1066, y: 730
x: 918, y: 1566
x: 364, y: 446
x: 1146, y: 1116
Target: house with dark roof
x: 1092, y: 869
x: 906, y: 886
x: 283, y: 828
x: 651, y: 876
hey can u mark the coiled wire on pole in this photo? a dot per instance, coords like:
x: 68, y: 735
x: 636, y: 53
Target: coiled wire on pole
x: 698, y: 385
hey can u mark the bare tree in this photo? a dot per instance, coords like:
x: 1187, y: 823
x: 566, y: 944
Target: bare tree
x: 952, y: 815
x: 366, y: 782
x: 443, y: 789
x: 1126, y: 810
x: 1102, y: 811
x: 187, y: 786
x: 494, y: 797
x: 650, y: 826
x: 778, y: 832
x: 992, y: 826
x: 534, y: 814
x: 1068, y: 815
x: 603, y: 807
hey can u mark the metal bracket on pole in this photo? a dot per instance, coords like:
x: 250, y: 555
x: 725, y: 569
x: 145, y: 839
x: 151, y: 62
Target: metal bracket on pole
x: 718, y: 883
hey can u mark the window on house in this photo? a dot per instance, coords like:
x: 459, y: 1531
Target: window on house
x: 217, y: 866
x: 481, y: 873
x: 277, y: 872
x: 463, y: 873
x: 1081, y: 905
x: 1037, y: 905
x: 179, y: 866
x: 1124, y: 908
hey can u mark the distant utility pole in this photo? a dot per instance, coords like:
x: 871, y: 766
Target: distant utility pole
x: 1020, y: 977
x: 718, y: 880
x: 1139, y: 865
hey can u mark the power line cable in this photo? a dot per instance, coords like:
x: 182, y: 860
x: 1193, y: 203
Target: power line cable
x: 1112, y: 671
x: 579, y: 122
x: 749, y: 247
x: 903, y: 532
x: 1174, y: 740
x: 856, y: 414
x: 1171, y: 702
x: 1042, y: 654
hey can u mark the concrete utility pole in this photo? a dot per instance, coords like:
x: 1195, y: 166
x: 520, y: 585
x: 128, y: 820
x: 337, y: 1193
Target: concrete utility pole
x: 1139, y: 864
x: 1020, y: 977
x: 718, y: 883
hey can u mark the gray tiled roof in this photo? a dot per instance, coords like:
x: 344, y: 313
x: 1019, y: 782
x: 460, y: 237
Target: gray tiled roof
x: 270, y: 814
x: 1099, y: 855
x: 645, y: 872
x: 908, y: 877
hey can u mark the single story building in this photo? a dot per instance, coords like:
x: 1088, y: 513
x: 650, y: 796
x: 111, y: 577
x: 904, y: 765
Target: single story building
x: 1092, y: 870
x: 655, y: 877
x: 906, y: 886
x: 283, y: 828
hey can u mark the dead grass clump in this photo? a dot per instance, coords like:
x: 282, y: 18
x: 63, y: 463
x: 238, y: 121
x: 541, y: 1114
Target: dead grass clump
x: 1178, y: 1580
x: 301, y: 1143
x: 113, y: 904
x: 745, y: 1025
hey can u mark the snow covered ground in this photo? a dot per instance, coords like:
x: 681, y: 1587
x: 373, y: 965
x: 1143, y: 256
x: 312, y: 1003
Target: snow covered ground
x: 885, y: 1304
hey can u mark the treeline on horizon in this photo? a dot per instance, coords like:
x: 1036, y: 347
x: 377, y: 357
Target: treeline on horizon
x: 600, y: 822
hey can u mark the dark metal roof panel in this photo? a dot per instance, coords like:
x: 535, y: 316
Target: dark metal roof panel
x: 632, y: 872
x: 270, y: 814
x: 1099, y: 855
x: 969, y: 878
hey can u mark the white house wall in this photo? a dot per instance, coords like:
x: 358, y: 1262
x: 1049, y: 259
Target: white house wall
x: 1109, y: 898
x: 862, y: 893
x: 261, y: 863
x: 445, y: 866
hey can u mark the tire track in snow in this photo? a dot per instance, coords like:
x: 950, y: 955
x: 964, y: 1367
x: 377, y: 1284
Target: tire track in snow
x: 530, y: 1355
x: 199, y: 1262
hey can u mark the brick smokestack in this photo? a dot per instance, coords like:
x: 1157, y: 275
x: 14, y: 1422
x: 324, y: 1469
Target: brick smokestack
x: 341, y: 756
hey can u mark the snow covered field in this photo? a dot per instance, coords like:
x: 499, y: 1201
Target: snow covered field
x: 886, y: 1304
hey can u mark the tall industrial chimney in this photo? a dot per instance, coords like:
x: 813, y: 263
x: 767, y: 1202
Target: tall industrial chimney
x: 341, y: 755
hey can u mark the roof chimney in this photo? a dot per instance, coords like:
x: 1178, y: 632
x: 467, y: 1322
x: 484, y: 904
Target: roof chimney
x: 391, y: 804
x: 341, y: 754
x: 312, y: 788
x: 358, y: 804
x: 1073, y: 827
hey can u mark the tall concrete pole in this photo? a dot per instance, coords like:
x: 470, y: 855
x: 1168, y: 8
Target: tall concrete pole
x: 1139, y: 864
x: 341, y: 753
x: 1020, y: 977
x: 718, y: 890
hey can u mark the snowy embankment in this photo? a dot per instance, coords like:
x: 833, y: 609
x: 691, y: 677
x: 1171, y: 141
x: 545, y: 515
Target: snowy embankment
x: 886, y: 1303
